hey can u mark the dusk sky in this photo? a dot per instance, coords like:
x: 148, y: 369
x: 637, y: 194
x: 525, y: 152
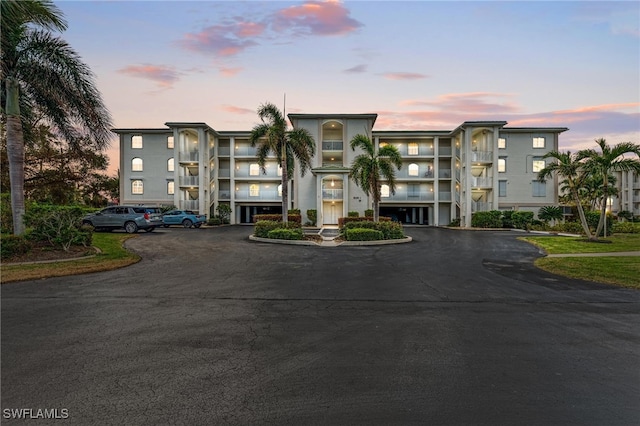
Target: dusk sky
x: 418, y: 64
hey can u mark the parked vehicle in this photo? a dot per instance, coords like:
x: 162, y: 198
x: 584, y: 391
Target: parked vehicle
x: 186, y: 218
x: 129, y: 218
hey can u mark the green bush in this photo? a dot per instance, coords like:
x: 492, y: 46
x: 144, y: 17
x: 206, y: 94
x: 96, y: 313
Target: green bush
x: 362, y: 234
x: 285, y: 234
x: 6, y: 216
x: 522, y: 219
x: 277, y: 217
x: 353, y: 214
x: 592, y: 220
x: 294, y: 211
x: 60, y: 226
x: 312, y: 214
x: 626, y: 228
x: 368, y: 213
x: 224, y: 212
x: 214, y: 221
x: 13, y: 245
x: 569, y: 228
x: 342, y: 221
x: 507, y: 219
x: 455, y: 222
x: 263, y: 227
x: 490, y: 219
x: 390, y: 230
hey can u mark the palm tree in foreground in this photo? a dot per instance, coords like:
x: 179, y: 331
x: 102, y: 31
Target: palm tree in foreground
x: 370, y: 169
x: 569, y: 167
x: 272, y: 136
x: 602, y: 164
x: 43, y: 76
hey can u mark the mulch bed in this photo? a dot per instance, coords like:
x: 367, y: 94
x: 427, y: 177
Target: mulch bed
x: 43, y: 251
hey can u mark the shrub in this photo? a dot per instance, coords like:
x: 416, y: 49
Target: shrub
x: 507, y: 218
x: 522, y: 219
x: 593, y: 217
x: 353, y: 214
x: 569, y: 227
x: 13, y: 245
x: 263, y: 227
x: 549, y: 213
x: 455, y: 222
x: 626, y: 228
x: 293, y: 211
x: 312, y: 214
x: 214, y: 221
x: 60, y: 226
x: 342, y: 221
x: 490, y: 219
x: 285, y: 234
x: 277, y: 217
x: 625, y: 214
x: 6, y: 216
x: 368, y: 213
x: 390, y: 230
x: 362, y: 234
x: 224, y: 212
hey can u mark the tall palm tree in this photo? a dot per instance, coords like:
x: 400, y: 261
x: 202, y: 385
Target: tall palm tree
x: 370, y: 169
x: 568, y: 166
x: 610, y: 159
x: 273, y: 136
x: 43, y: 75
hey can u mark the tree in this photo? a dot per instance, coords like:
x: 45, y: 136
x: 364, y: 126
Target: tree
x: 602, y: 163
x: 42, y: 75
x: 272, y: 136
x: 549, y: 213
x: 568, y: 166
x: 370, y: 169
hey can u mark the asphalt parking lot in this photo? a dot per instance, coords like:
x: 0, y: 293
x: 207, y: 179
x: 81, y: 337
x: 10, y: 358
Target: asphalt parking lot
x: 454, y: 328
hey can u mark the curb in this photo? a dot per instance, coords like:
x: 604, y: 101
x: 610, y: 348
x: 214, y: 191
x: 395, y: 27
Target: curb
x: 330, y: 243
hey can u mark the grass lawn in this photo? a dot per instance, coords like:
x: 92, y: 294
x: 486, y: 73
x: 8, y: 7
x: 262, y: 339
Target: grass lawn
x: 623, y: 271
x: 113, y: 256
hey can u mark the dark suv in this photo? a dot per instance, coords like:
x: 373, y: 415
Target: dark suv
x: 129, y: 218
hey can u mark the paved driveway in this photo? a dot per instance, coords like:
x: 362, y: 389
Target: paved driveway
x: 210, y: 328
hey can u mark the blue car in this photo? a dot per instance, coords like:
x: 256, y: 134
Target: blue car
x: 185, y: 218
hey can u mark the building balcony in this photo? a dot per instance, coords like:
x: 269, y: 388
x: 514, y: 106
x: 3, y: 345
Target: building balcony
x: 189, y: 204
x: 481, y: 182
x: 480, y: 157
x: 245, y: 173
x: 224, y: 173
x: 481, y: 206
x: 246, y: 151
x: 189, y: 156
x: 262, y: 195
x: 444, y: 151
x: 189, y: 180
x: 332, y: 145
x: 332, y: 194
x: 411, y: 197
x: 444, y: 196
x: 224, y: 194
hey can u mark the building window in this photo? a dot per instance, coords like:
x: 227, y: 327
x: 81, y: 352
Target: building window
x: 169, y: 142
x: 136, y: 142
x: 502, y: 165
x: 170, y: 165
x: 539, y: 189
x: 254, y: 169
x: 413, y: 148
x: 254, y: 190
x: 384, y: 191
x: 538, y: 142
x: 170, y: 187
x: 538, y: 164
x: 136, y: 165
x: 137, y: 187
x: 502, y: 143
x: 413, y: 169
x: 502, y: 188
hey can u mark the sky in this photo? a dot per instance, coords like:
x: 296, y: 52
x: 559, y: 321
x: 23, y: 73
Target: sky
x: 419, y: 65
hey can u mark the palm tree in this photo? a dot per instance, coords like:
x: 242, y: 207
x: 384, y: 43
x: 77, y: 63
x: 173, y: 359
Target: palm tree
x: 370, y: 169
x: 569, y: 167
x: 42, y: 75
x: 272, y: 136
x: 608, y: 160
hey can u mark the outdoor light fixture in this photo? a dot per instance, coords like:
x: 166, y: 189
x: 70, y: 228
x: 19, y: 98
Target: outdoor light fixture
x: 332, y: 183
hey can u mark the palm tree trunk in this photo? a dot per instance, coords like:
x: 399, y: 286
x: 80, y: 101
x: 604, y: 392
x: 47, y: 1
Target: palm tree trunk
x: 603, y: 209
x: 15, y: 153
x: 583, y: 219
x: 375, y: 193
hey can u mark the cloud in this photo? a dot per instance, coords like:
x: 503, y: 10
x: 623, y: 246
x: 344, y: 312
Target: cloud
x: 404, y: 76
x: 621, y: 16
x: 357, y: 69
x: 165, y: 76
x: 316, y: 18
x: 223, y: 40
x: 470, y: 103
x: 237, y: 110
x: 229, y: 71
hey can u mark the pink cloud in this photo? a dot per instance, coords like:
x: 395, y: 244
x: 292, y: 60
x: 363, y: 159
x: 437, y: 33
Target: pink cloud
x: 404, y: 76
x: 237, y: 110
x: 318, y: 18
x: 223, y: 40
x: 228, y: 71
x: 164, y: 75
x: 472, y: 102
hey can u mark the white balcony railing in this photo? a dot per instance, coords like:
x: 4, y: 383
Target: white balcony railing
x: 444, y: 196
x: 444, y: 173
x: 189, y: 180
x: 481, y: 182
x: 444, y: 150
x: 190, y: 204
x: 245, y: 150
x: 189, y: 155
x: 482, y: 156
x: 263, y: 195
x: 410, y: 196
x: 481, y: 206
x: 332, y: 145
x: 224, y: 151
x: 332, y: 194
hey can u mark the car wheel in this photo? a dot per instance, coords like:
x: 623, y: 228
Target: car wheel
x: 198, y: 225
x: 166, y: 226
x: 187, y: 223
x: 131, y: 227
x: 150, y: 229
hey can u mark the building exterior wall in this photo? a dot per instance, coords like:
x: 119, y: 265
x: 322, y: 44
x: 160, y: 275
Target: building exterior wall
x: 445, y: 174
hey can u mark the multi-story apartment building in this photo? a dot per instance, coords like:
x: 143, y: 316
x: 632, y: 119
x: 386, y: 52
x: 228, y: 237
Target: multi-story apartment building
x: 628, y: 197
x: 446, y: 174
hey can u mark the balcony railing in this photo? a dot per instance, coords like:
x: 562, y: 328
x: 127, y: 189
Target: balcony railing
x: 444, y: 173
x: 224, y: 194
x: 189, y: 180
x: 444, y: 196
x: 245, y: 150
x: 481, y: 206
x: 190, y: 204
x: 244, y: 194
x: 481, y: 182
x: 410, y: 196
x: 332, y: 194
x: 482, y: 156
x: 224, y: 150
x: 444, y: 150
x: 189, y: 156
x: 332, y: 145
x: 224, y: 173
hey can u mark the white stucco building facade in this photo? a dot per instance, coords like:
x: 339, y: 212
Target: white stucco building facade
x: 445, y: 175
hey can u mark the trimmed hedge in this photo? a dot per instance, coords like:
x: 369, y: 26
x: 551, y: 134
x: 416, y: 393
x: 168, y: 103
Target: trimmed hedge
x: 390, y: 230
x: 626, y: 228
x: 362, y: 234
x: 285, y: 234
x: 342, y: 221
x: 263, y: 227
x: 277, y: 217
x: 312, y: 214
x: 353, y: 214
x: 490, y: 219
x: 13, y: 245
